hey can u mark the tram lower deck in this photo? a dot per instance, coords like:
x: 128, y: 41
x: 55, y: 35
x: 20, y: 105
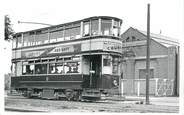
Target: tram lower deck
x: 89, y: 77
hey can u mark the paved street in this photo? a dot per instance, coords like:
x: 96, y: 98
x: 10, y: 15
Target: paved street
x: 21, y: 104
x: 168, y: 101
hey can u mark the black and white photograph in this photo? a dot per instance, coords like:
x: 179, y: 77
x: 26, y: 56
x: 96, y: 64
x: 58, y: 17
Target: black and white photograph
x: 91, y: 56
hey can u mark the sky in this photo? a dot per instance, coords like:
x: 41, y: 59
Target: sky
x: 166, y: 15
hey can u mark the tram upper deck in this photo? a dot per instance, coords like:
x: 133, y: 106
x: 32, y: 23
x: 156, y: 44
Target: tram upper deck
x: 93, y: 27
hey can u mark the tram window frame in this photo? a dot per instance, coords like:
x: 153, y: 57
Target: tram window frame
x: 72, y: 67
x: 67, y: 58
x: 56, y: 36
x: 19, y: 41
x: 106, y: 28
x: 75, y: 33
x: 14, y: 44
x: 26, y: 67
x: 13, y: 68
x: 37, y: 61
x: 115, y: 66
x: 67, y: 33
x: 106, y: 62
x: 28, y: 39
x: 57, y: 69
x: 41, y: 69
x: 52, y: 60
x: 44, y: 61
x: 94, y: 27
x: 41, y: 37
x: 86, y: 28
x: 59, y: 59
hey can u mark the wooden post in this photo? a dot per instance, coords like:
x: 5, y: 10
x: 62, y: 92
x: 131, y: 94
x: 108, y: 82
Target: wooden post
x: 148, y: 56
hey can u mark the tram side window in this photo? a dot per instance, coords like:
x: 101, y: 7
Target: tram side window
x: 19, y: 41
x: 75, y: 33
x: 29, y: 39
x: 59, y: 68
x: 13, y: 68
x: 14, y: 43
x: 72, y: 67
x: 41, y: 69
x: 106, y: 27
x: 28, y: 69
x: 56, y: 36
x: 67, y: 34
x: 52, y: 68
x: 41, y: 38
x: 86, y: 29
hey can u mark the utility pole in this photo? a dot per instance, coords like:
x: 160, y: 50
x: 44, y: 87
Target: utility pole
x: 148, y: 56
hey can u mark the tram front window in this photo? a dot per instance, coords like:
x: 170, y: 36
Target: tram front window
x: 106, y: 27
x: 115, y: 66
x: 94, y: 27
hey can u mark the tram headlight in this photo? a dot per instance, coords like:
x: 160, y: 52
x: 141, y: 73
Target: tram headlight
x: 115, y: 82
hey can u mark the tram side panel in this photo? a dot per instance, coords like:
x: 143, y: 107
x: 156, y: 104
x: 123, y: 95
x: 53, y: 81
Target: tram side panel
x: 59, y: 81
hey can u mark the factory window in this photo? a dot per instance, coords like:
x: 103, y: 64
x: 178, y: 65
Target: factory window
x: 133, y: 38
x: 128, y: 39
x: 142, y: 73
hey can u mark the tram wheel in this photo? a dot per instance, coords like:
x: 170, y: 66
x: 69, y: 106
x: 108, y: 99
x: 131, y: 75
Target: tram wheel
x: 69, y: 93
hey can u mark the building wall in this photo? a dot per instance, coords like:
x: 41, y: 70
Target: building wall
x: 162, y: 61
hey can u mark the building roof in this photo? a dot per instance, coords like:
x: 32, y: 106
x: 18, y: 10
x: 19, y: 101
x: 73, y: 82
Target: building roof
x: 164, y: 40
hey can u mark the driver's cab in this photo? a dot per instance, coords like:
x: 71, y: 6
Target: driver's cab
x: 99, y: 70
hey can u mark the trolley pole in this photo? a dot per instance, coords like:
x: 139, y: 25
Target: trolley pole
x: 148, y: 56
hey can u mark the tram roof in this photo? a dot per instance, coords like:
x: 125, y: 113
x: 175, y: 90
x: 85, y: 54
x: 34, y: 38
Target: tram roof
x: 85, y: 19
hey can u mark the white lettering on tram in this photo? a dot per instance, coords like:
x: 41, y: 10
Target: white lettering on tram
x: 63, y: 49
x: 33, y: 53
x: 112, y: 46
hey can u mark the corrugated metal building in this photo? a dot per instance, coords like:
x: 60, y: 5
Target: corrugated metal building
x: 164, y: 60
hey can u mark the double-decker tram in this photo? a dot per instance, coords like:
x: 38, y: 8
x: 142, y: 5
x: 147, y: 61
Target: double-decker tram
x: 76, y: 60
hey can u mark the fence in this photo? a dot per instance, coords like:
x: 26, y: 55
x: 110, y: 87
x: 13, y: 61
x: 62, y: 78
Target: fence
x: 157, y: 87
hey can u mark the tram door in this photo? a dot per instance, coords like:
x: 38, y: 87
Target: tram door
x: 93, y: 79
